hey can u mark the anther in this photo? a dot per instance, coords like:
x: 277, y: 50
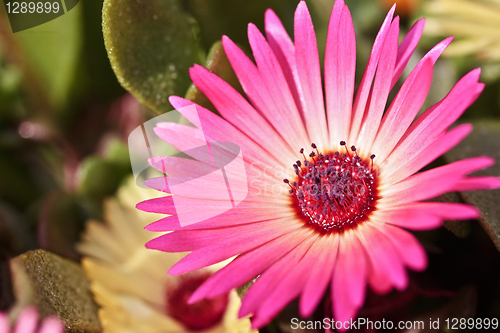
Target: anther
x: 336, y: 191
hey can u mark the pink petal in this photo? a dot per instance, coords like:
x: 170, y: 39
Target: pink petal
x: 4, y: 323
x: 218, y: 252
x: 444, y: 113
x: 444, y: 210
x: 284, y: 50
x: 273, y: 277
x: 381, y: 88
x: 406, y: 49
x: 245, y: 212
x: 367, y: 79
x: 477, y: 183
x: 188, y: 211
x: 355, y: 266
x: 274, y: 78
x: 183, y: 186
x: 170, y: 205
x: 432, y: 123
x: 415, y: 162
x: 193, y: 142
x: 377, y: 280
x: 407, y: 103
x: 249, y: 265
x: 287, y: 289
x: 436, y: 51
x: 27, y: 321
x: 163, y: 205
x: 384, y: 261
x: 409, y: 249
x: 349, y: 279
x: 189, y: 240
x: 217, y: 129
x: 308, y: 69
x: 319, y: 275
x: 235, y: 109
x: 52, y: 325
x: 410, y: 219
x: 434, y: 182
x: 258, y: 93
x: 178, y: 167
x: 340, y: 65
x: 403, y: 109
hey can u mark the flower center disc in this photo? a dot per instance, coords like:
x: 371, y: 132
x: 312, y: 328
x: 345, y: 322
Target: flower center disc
x: 198, y: 316
x: 334, y: 192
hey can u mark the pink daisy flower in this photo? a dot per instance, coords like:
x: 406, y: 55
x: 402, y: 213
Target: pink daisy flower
x: 28, y: 323
x: 332, y: 215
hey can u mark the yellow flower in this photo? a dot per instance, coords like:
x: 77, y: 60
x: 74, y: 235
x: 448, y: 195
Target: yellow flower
x: 131, y: 283
x: 476, y: 24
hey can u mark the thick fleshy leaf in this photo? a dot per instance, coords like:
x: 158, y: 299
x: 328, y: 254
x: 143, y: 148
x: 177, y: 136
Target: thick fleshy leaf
x: 151, y: 45
x: 484, y: 140
x: 460, y: 229
x: 56, y: 286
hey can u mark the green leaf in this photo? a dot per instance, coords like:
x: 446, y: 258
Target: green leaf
x: 56, y: 286
x: 483, y: 141
x: 96, y: 78
x: 151, y: 45
x: 52, y: 50
x: 116, y: 152
x: 100, y: 178
x: 217, y: 63
x: 460, y: 229
x: 244, y: 288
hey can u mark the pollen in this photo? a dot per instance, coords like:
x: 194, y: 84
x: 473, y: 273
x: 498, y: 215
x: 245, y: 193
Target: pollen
x: 334, y: 192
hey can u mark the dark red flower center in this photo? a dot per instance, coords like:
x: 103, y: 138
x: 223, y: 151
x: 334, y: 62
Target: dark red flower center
x: 334, y: 192
x: 197, y: 316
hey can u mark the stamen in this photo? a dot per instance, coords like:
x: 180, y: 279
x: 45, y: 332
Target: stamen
x: 334, y: 192
x: 343, y: 143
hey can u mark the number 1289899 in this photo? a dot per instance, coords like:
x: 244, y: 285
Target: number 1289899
x: 471, y: 323
x: 32, y: 7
